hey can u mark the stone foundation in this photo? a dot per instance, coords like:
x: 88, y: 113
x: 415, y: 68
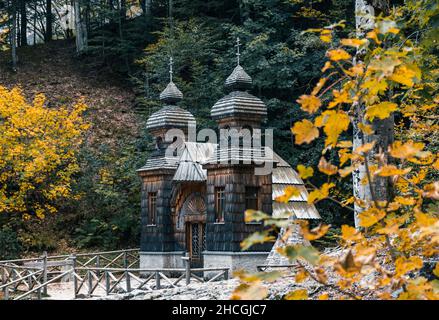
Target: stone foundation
x: 159, y: 260
x: 233, y: 260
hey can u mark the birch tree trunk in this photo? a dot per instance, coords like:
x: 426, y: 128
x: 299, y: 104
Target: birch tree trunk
x: 379, y: 188
x: 80, y: 28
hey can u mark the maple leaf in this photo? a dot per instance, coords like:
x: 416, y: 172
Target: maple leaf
x: 327, y: 167
x: 391, y: 170
x: 356, y: 43
x: 289, y: 192
x: 338, y: 54
x: 309, y: 103
x: 315, y: 233
x: 405, y: 74
x: 305, y: 172
x: 381, y: 110
x: 349, y: 233
x: 320, y: 194
x: 336, y: 123
x: 327, y: 66
x: 370, y: 216
x: 301, y: 294
x: 339, y: 98
x: 304, y: 131
x: 406, y: 150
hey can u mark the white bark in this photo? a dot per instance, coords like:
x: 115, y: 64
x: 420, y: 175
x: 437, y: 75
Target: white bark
x: 80, y: 28
x: 378, y: 189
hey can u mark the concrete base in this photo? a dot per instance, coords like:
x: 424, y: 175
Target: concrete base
x: 159, y: 260
x: 233, y: 260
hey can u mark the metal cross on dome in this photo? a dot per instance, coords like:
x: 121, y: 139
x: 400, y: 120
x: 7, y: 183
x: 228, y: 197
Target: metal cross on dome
x: 237, y: 45
x: 171, y: 64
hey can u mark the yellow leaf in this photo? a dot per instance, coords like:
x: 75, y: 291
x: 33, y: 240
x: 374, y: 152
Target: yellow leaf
x: 406, y: 150
x: 370, y: 216
x: 318, y: 86
x: 344, y: 144
x: 391, y: 170
x: 373, y: 35
x: 406, y: 74
x: 436, y: 270
x: 309, y: 103
x: 404, y: 265
x: 301, y: 294
x: 344, y: 172
x: 289, y: 192
x: 304, y: 131
x: 301, y: 275
x: 336, y: 123
x: 338, y: 54
x: 305, y: 172
x: 315, y: 233
x: 327, y: 167
x: 365, y: 148
x: 325, y: 35
x: 340, y: 97
x: 406, y: 201
x: 381, y: 110
x: 320, y: 194
x: 324, y: 296
x: 365, y: 128
x: 327, y: 66
x: 349, y: 233
x: 353, y: 42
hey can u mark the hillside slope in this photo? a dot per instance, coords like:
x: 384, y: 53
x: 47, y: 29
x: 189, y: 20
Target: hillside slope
x: 107, y: 213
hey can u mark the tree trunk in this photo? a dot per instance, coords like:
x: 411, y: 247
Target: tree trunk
x: 379, y: 188
x: 49, y: 25
x: 13, y: 36
x: 80, y: 28
x: 23, y: 23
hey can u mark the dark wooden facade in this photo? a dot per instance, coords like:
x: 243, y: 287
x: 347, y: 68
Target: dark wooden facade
x: 227, y: 235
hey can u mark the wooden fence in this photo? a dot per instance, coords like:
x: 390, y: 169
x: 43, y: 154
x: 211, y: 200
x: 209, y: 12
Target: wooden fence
x: 94, y: 274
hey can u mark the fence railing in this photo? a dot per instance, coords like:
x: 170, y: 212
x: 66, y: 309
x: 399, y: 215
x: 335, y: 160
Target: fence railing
x: 95, y: 274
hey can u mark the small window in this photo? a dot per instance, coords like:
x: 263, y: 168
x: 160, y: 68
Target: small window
x: 251, y: 198
x: 152, y: 208
x: 220, y: 201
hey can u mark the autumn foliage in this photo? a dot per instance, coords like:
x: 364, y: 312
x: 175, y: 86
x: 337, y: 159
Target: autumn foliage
x: 398, y: 236
x: 38, y: 147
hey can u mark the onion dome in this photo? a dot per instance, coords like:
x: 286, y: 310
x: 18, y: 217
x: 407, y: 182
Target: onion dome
x: 170, y: 116
x: 171, y: 94
x: 239, y: 104
x: 239, y: 79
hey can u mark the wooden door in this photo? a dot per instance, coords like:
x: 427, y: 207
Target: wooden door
x: 196, y: 242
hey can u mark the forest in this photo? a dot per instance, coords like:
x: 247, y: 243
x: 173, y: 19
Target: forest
x: 353, y: 105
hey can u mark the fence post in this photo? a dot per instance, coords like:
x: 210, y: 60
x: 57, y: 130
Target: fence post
x: 226, y: 274
x: 125, y: 259
x: 157, y: 280
x: 45, y: 272
x: 107, y: 283
x: 90, y: 282
x: 128, y: 280
x: 75, y: 280
x: 98, y: 265
x: 187, y: 261
x: 5, y: 289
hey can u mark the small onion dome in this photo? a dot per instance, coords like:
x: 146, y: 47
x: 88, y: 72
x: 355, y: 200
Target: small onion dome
x: 239, y: 79
x: 238, y: 103
x: 169, y: 117
x: 171, y: 94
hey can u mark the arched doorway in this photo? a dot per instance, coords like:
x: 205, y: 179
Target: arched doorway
x: 192, y: 217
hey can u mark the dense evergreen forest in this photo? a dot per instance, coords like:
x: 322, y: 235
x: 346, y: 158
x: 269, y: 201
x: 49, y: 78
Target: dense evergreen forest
x: 115, y: 55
